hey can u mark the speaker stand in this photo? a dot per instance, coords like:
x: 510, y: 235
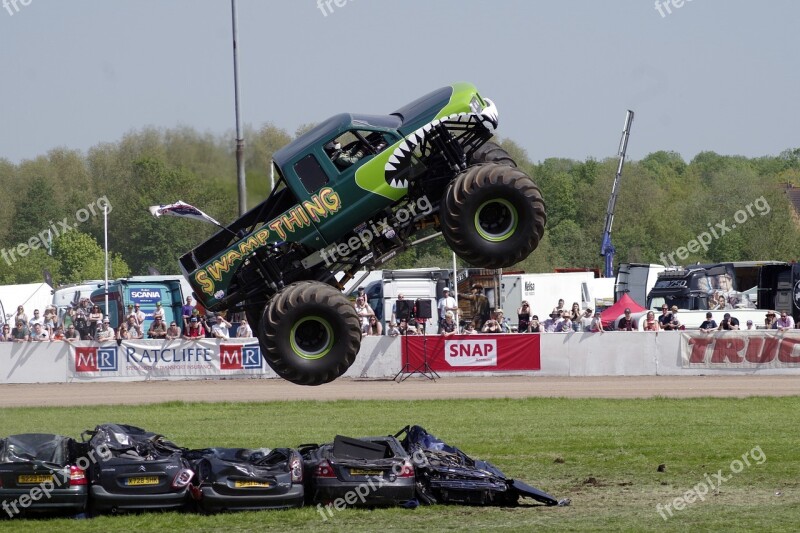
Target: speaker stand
x: 423, y: 369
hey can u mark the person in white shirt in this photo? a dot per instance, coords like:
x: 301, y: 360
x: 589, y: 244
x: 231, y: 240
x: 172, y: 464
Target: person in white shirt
x: 446, y: 303
x: 39, y: 334
x: 219, y: 328
x: 105, y: 333
x: 244, y: 330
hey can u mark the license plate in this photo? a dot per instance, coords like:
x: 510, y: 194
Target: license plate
x: 141, y: 480
x: 34, y: 478
x: 362, y: 472
x: 249, y: 484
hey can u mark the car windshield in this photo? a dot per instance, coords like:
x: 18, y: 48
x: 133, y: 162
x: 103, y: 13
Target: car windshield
x: 33, y: 447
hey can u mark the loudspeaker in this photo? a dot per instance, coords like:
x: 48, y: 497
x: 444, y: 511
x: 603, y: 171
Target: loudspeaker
x: 402, y: 310
x: 424, y: 309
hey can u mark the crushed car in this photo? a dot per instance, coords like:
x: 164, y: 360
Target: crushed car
x: 228, y: 479
x: 42, y: 472
x: 367, y: 471
x: 445, y: 474
x: 139, y: 470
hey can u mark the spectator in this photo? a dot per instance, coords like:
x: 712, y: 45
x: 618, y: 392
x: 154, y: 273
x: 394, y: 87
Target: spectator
x: 549, y: 325
x: 39, y: 334
x: 174, y: 332
x: 21, y: 315
x: 374, y: 328
x: 597, y: 323
x: 36, y: 319
x: 21, y: 333
x: 186, y: 311
x: 82, y: 325
x: 785, y: 322
x: 446, y: 303
x: 675, y: 324
x: 729, y: 323
x: 392, y: 330
x: 665, y: 319
x: 586, y: 320
x: 95, y: 320
x: 709, y: 324
x: 650, y: 322
x: 50, y: 319
x: 479, y: 305
x: 626, y: 323
x: 58, y: 334
x: 504, y: 327
x: 491, y: 326
x: 72, y: 334
x: 135, y: 331
x: 122, y: 332
x: 449, y: 326
x: 361, y: 293
x: 244, y: 330
x: 69, y: 318
x: 139, y: 314
x: 750, y: 325
x: 565, y: 324
x: 364, y: 312
x: 159, y: 312
x: 195, y: 331
x: 5, y: 336
x: 469, y: 329
x: 524, y: 317
x: 403, y: 327
x: 221, y: 328
x: 769, y: 321
x: 535, y: 326
x: 559, y: 308
x: 157, y: 329
x: 575, y: 316
x: 105, y: 333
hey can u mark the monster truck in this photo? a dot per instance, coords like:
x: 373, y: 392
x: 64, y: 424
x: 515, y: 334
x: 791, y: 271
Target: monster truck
x: 350, y: 194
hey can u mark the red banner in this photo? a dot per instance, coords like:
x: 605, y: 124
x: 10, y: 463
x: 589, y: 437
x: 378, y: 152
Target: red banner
x: 741, y: 349
x: 472, y: 353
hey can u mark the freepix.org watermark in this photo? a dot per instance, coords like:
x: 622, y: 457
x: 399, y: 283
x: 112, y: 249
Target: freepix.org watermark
x: 43, y: 490
x: 711, y: 483
x: 13, y: 6
x: 760, y: 206
x: 362, y: 490
x: 664, y: 7
x: 365, y: 235
x: 326, y: 6
x: 55, y: 229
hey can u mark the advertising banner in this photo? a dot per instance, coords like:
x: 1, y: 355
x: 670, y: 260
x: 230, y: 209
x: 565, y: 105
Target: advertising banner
x: 472, y: 353
x: 162, y: 359
x: 740, y: 349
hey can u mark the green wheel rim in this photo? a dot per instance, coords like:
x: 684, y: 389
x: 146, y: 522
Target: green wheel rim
x: 311, y: 338
x: 496, y: 220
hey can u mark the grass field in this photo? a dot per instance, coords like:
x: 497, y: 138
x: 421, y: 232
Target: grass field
x: 602, y: 454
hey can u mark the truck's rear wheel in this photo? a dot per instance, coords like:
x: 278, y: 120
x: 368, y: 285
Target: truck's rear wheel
x: 491, y: 152
x: 493, y: 215
x: 310, y: 333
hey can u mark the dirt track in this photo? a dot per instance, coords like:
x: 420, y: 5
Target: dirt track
x: 255, y: 390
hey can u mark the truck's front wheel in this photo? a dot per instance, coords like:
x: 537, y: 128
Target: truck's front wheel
x: 493, y: 215
x: 310, y: 333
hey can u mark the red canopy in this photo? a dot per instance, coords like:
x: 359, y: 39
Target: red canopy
x: 610, y: 315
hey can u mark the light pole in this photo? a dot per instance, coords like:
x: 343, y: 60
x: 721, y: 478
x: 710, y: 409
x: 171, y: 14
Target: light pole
x: 240, y: 176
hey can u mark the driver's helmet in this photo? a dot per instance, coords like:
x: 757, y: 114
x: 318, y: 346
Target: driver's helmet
x: 332, y: 147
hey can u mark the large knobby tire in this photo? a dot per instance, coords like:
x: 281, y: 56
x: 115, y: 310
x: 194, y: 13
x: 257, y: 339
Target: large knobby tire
x: 491, y: 152
x: 493, y: 215
x: 310, y: 333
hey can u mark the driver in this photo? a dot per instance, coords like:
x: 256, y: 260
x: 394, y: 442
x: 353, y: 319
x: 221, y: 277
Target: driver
x: 345, y: 158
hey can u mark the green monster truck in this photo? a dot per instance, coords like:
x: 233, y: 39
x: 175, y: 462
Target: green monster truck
x: 351, y: 192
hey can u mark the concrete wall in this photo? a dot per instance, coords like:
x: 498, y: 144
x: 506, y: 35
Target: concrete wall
x: 572, y: 354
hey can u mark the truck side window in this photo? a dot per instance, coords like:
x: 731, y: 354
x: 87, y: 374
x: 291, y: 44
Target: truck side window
x: 310, y: 173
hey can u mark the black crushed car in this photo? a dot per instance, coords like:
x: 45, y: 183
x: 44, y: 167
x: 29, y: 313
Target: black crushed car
x: 136, y: 470
x: 41, y: 472
x: 368, y: 471
x: 228, y: 479
x: 446, y: 474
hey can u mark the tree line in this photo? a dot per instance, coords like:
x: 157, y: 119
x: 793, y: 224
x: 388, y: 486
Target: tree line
x: 664, y: 204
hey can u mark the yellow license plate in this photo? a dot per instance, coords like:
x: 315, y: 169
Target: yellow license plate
x: 141, y: 480
x: 34, y: 478
x: 362, y: 472
x: 248, y: 484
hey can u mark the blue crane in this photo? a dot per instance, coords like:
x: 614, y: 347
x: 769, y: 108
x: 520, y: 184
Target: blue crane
x: 607, y: 249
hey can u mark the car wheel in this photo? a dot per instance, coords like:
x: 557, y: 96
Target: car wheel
x: 493, y: 215
x: 310, y: 333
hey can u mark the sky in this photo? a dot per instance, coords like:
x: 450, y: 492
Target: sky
x: 700, y: 75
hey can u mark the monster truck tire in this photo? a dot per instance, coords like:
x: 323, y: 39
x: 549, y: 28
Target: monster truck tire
x: 492, y: 153
x: 310, y: 333
x: 492, y: 215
